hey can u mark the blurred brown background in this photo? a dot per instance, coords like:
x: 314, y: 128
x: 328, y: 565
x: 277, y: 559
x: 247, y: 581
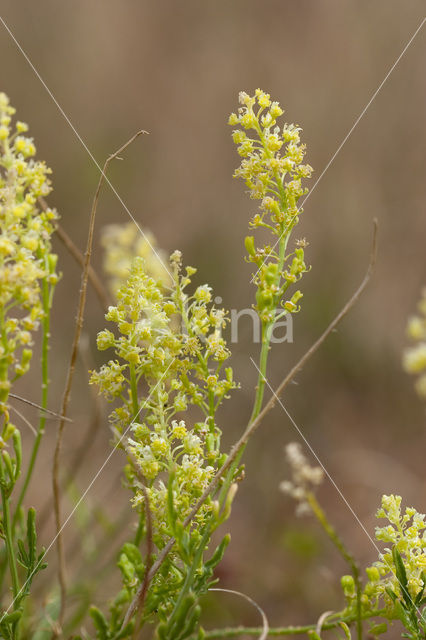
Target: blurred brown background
x: 175, y: 69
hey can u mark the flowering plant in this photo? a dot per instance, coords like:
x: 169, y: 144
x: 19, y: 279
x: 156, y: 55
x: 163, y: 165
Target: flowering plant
x: 165, y: 375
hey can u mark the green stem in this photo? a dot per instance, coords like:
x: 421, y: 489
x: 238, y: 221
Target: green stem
x: 233, y: 632
x: 346, y: 554
x: 263, y: 361
x: 267, y: 328
x: 8, y: 534
x: 46, y: 301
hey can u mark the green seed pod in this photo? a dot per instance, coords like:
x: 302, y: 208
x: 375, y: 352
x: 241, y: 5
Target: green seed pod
x: 249, y: 244
x: 17, y: 446
x: 271, y: 273
x: 348, y: 585
x: 264, y: 299
x: 9, y: 465
x: 378, y: 629
x: 373, y: 574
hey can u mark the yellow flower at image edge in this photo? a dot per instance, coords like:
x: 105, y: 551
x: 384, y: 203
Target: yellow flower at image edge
x: 414, y: 357
x: 406, y: 533
x: 25, y: 247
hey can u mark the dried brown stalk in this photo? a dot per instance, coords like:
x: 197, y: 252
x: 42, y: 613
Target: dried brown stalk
x: 75, y: 252
x: 37, y: 406
x: 94, y: 279
x: 68, y: 385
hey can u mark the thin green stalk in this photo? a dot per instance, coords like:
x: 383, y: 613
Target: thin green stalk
x: 46, y: 301
x: 267, y: 327
x: 260, y: 389
x: 8, y: 533
x: 233, y: 632
x: 346, y: 554
x: 263, y: 363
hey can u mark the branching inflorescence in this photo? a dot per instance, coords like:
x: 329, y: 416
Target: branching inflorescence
x: 27, y: 280
x: 170, y: 357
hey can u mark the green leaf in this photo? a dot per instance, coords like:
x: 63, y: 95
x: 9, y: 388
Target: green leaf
x: 9, y: 466
x: 218, y: 553
x: 180, y: 619
x: 402, y: 614
x: 421, y: 592
x: 100, y: 623
x: 11, y: 618
x: 133, y: 554
x: 22, y: 555
x: 346, y: 630
x: 392, y: 595
x: 401, y: 575
x: 32, y: 535
x: 192, y: 623
x: 378, y: 629
x: 18, y: 453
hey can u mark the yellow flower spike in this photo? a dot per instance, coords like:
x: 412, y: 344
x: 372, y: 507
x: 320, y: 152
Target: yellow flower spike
x: 25, y: 234
x: 156, y: 339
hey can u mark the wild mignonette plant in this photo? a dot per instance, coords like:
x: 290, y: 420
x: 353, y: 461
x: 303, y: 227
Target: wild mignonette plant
x: 171, y: 341
x: 272, y: 169
x: 165, y: 374
x: 27, y: 280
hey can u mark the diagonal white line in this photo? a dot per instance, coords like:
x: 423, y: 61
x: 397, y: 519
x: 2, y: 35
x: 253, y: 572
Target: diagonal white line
x: 339, y: 491
x: 80, y: 139
x: 82, y: 497
x: 351, y: 130
x: 363, y: 112
x: 319, y: 461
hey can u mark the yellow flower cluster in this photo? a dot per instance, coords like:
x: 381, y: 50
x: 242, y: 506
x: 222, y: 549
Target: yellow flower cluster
x: 272, y: 160
x: 272, y: 168
x: 414, y: 359
x: 169, y: 356
x: 406, y: 533
x: 122, y: 243
x: 25, y: 250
